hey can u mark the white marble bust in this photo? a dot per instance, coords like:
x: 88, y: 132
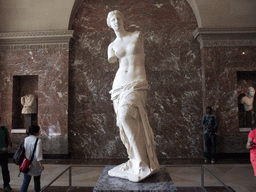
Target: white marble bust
x: 247, y: 100
x: 29, y: 104
x: 129, y: 92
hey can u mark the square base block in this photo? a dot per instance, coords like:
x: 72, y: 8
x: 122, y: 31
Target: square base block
x: 160, y: 181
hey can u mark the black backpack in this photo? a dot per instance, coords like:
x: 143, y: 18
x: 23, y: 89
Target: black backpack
x: 19, y: 154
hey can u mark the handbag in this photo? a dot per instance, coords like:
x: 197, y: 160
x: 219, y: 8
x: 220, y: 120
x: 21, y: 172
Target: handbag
x: 19, y: 154
x: 25, y: 165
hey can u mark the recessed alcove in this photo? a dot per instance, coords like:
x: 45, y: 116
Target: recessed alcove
x: 22, y: 86
x: 246, y: 79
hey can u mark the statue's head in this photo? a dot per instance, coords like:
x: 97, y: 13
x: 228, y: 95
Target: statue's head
x: 114, y: 13
x: 251, y: 91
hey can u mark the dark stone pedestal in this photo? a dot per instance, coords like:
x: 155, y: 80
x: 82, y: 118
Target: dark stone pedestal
x: 160, y: 181
x: 27, y: 119
x: 30, y: 119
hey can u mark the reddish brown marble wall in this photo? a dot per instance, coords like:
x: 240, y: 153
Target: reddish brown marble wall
x: 51, y: 67
x: 173, y: 70
x: 74, y: 107
x: 221, y: 89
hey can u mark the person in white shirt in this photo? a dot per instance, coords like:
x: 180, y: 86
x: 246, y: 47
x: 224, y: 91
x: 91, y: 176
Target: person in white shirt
x: 36, y: 165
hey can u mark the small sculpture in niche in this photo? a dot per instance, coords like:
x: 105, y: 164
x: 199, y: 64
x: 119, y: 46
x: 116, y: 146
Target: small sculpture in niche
x: 247, y: 102
x: 129, y: 93
x: 29, y: 104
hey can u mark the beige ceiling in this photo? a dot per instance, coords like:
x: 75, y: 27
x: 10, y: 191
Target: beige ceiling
x: 31, y: 15
x: 224, y: 13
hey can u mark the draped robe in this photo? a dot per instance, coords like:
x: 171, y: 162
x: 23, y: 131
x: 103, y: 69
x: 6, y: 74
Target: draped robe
x: 130, y: 105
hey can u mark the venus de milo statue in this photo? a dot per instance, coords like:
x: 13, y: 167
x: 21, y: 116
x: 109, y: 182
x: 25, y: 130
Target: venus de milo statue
x: 129, y: 92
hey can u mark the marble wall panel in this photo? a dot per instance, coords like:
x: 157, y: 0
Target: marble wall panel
x: 173, y: 70
x: 222, y: 90
x: 51, y: 67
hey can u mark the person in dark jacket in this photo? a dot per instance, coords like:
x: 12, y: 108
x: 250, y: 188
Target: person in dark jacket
x: 5, y: 145
x: 209, y: 124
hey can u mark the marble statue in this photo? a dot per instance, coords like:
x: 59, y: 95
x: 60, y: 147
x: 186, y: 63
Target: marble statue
x: 128, y: 94
x: 29, y: 104
x: 247, y: 101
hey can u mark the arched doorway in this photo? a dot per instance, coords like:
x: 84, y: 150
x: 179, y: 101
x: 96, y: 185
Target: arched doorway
x: 173, y: 71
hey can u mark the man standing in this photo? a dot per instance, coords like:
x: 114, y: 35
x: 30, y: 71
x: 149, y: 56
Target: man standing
x: 209, y: 123
x: 5, y: 145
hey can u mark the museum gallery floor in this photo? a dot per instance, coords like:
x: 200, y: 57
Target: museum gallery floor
x: 182, y: 176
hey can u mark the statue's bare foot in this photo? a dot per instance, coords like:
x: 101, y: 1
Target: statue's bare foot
x: 134, y: 174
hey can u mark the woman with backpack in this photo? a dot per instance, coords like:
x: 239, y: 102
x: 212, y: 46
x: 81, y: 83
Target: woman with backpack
x: 36, y: 166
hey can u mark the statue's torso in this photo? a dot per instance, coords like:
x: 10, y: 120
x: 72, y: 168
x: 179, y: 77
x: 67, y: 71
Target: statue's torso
x: 248, y: 103
x: 130, y: 52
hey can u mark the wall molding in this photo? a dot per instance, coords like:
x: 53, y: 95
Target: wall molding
x: 31, y: 40
x: 225, y: 37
